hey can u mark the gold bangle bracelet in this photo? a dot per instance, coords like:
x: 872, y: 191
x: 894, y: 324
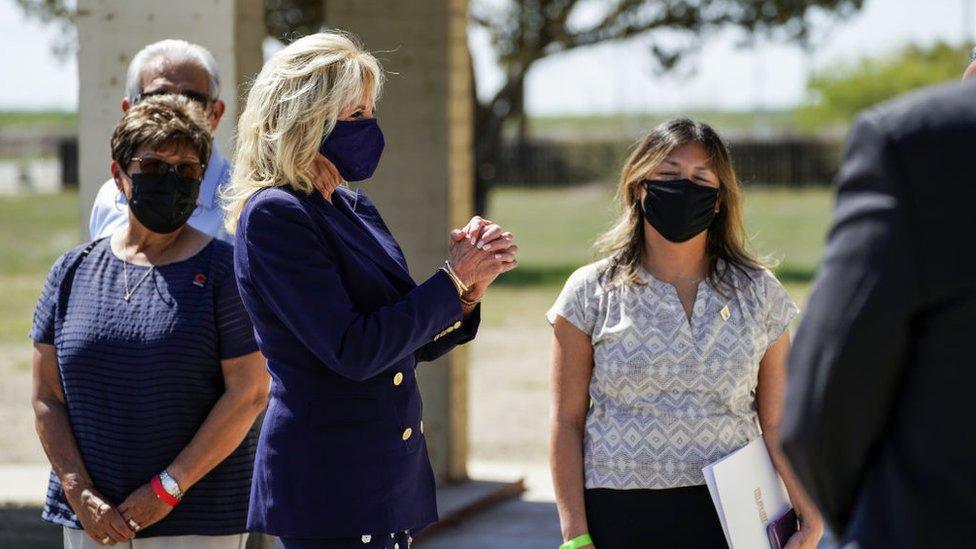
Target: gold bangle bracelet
x: 457, y: 280
x: 469, y: 303
x: 453, y: 281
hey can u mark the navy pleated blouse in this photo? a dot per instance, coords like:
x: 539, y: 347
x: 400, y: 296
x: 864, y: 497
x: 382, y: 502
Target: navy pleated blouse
x: 140, y: 378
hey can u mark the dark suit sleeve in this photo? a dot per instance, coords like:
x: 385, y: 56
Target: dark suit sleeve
x: 443, y: 345
x: 847, y: 357
x: 297, y: 278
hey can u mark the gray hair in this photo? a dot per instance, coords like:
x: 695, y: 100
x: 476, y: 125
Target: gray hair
x: 176, y: 51
x: 972, y: 55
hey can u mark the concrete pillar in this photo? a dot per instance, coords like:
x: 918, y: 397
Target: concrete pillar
x: 110, y: 32
x: 424, y: 184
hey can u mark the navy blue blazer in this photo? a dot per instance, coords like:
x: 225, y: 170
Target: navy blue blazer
x: 343, y: 326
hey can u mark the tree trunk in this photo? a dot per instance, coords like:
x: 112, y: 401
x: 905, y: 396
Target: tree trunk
x: 489, y: 126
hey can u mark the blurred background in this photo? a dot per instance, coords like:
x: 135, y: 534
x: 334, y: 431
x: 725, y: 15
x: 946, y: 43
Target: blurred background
x: 564, y: 88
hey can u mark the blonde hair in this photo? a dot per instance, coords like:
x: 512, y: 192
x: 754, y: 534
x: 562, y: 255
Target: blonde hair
x: 293, y: 104
x: 624, y: 243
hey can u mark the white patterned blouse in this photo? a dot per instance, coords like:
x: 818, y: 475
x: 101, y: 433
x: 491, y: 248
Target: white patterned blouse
x: 669, y: 396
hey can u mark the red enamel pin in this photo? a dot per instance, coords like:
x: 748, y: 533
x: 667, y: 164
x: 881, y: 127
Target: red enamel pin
x: 200, y: 280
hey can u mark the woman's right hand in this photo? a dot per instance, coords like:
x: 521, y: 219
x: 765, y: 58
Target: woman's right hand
x: 473, y: 265
x: 101, y: 521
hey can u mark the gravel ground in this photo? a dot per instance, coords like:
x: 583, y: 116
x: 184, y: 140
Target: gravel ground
x: 509, y: 394
x: 18, y: 441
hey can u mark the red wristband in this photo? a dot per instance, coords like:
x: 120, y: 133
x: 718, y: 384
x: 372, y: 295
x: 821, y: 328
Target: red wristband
x: 162, y: 494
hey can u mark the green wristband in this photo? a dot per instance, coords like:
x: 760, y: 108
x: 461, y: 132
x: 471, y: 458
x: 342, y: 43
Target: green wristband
x: 577, y: 542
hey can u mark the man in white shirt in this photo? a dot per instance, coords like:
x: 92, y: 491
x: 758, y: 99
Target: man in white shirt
x: 177, y: 67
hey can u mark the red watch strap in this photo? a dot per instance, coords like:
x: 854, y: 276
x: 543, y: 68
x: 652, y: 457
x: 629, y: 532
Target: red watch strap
x: 162, y: 494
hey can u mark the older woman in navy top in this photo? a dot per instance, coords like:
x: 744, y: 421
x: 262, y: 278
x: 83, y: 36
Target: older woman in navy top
x: 342, y: 458
x: 147, y: 377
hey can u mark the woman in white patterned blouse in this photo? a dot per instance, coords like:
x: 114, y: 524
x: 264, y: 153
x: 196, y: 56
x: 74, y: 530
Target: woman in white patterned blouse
x: 668, y: 355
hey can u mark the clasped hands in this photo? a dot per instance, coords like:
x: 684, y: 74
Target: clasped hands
x: 479, y: 253
x: 107, y: 524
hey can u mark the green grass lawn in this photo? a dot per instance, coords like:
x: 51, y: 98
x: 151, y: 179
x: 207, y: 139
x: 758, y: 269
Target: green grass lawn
x: 791, y: 227
x: 34, y: 231
x: 555, y: 230
x: 45, y: 118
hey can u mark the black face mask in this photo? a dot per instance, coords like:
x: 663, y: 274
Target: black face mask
x: 163, y: 203
x: 679, y: 209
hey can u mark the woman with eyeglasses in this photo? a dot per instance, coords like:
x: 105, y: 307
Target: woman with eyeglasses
x: 147, y: 378
x: 172, y: 67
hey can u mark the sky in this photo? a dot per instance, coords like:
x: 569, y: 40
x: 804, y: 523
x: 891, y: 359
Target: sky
x: 605, y: 79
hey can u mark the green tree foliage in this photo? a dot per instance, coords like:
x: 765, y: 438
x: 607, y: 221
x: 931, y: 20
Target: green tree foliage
x: 285, y: 20
x: 525, y: 31
x: 837, y: 93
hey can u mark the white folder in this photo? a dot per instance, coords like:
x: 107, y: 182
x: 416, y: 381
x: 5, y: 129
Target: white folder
x: 748, y: 495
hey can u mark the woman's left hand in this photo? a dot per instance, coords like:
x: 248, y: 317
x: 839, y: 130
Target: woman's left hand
x: 143, y: 508
x: 807, y: 538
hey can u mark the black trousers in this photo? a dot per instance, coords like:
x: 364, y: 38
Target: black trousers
x: 636, y: 519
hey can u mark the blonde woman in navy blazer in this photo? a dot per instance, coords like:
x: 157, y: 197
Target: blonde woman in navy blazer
x: 342, y: 458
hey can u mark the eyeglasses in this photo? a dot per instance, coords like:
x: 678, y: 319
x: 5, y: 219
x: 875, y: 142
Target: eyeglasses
x: 202, y: 99
x: 155, y: 166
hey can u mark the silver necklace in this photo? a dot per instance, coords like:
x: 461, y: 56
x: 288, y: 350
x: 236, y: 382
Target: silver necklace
x: 125, y: 278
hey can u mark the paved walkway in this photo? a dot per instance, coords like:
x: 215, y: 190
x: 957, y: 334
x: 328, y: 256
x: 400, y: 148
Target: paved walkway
x: 514, y: 524
x: 23, y: 484
x: 529, y: 522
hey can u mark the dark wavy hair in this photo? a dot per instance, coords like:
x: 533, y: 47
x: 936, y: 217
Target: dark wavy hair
x: 624, y: 243
x: 161, y: 121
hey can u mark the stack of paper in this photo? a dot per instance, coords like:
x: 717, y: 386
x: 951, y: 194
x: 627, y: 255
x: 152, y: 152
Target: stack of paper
x: 748, y: 495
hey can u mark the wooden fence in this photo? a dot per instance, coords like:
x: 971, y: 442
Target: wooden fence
x: 787, y: 161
